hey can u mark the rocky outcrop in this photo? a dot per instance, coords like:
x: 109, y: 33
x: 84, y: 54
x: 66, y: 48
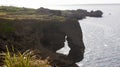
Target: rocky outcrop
x: 96, y: 13
x: 72, y: 14
x: 47, y: 36
x: 77, y: 14
x: 81, y: 14
x: 54, y: 38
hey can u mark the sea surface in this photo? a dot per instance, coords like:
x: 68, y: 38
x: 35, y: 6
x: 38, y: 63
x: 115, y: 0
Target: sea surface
x: 101, y: 36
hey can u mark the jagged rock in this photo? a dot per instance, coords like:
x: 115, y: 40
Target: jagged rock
x: 96, y: 13
x: 54, y: 38
x: 72, y: 14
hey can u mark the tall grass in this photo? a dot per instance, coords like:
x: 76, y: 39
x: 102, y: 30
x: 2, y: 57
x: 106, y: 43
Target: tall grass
x: 23, y: 60
x: 16, y: 60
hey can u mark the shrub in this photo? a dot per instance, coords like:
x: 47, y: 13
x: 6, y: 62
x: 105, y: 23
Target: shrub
x: 16, y: 60
x: 24, y: 60
x: 6, y: 27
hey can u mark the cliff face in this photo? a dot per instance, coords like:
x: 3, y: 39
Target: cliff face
x: 44, y: 31
x: 47, y: 36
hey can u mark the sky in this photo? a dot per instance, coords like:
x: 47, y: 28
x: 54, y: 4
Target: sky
x: 42, y: 3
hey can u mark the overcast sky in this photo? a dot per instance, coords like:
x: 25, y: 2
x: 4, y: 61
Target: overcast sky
x: 42, y: 3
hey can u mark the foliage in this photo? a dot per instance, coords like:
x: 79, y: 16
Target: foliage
x: 11, y: 12
x: 16, y: 10
x: 2, y: 13
x: 6, y: 27
x: 16, y: 60
x: 23, y: 60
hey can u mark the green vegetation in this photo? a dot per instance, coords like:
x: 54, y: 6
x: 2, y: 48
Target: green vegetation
x: 6, y: 27
x: 11, y: 10
x: 23, y: 60
x: 2, y: 13
x: 16, y: 60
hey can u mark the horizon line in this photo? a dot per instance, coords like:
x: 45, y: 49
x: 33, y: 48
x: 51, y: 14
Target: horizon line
x: 89, y: 4
x: 65, y: 5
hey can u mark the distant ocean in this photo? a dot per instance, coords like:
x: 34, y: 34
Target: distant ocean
x: 101, y: 35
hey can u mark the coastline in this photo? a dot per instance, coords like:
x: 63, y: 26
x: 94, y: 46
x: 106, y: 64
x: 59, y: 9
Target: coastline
x: 24, y: 30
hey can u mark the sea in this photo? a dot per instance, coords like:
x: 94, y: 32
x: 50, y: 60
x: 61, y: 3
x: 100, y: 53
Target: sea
x: 101, y: 36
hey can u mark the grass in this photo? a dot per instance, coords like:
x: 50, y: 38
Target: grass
x: 2, y: 13
x: 16, y: 60
x: 6, y: 27
x: 16, y: 10
x: 11, y: 12
x: 23, y: 60
x: 39, y: 17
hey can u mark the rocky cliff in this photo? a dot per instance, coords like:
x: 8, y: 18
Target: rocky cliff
x: 43, y: 31
x: 26, y: 34
x: 76, y: 14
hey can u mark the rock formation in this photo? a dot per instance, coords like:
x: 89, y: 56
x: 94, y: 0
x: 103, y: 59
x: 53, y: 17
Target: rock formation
x: 54, y: 38
x: 45, y: 32
x: 96, y: 13
x: 72, y: 14
x: 47, y: 36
